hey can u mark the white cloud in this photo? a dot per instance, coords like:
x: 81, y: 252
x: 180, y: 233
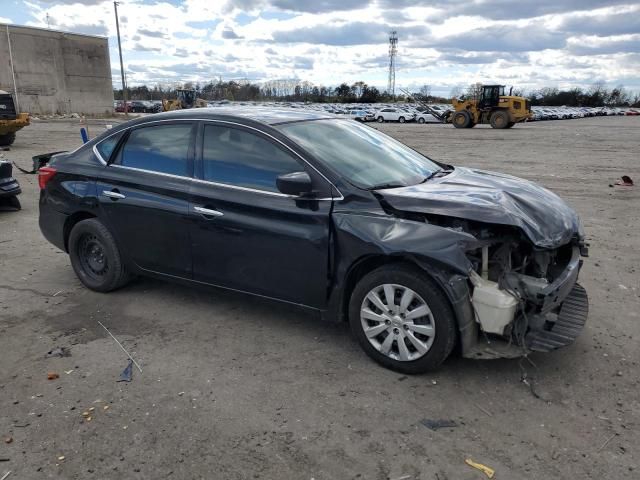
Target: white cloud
x: 530, y: 44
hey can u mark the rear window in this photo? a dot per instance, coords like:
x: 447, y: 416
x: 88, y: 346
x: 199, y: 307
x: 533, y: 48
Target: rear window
x: 107, y: 146
x: 158, y: 148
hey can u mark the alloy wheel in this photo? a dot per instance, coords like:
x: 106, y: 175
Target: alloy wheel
x: 397, y: 322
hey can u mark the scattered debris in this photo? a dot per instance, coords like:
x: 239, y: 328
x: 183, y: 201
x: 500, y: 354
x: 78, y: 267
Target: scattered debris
x: 61, y: 458
x: 8, y: 439
x: 21, y: 425
x: 127, y: 373
x: 438, y: 424
x: 52, y: 376
x: 180, y: 394
x: 6, y: 475
x: 483, y: 410
x: 59, y: 352
x: 106, y: 407
x: 489, y: 472
x: 86, y: 414
x: 2, y: 459
x: 123, y: 349
x: 625, y: 181
x: 69, y: 371
x: 606, y: 442
x: 57, y: 293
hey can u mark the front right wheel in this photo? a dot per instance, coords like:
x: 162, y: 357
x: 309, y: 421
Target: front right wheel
x: 402, y: 319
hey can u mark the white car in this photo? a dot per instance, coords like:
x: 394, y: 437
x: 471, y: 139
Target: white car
x: 424, y: 117
x: 393, y: 115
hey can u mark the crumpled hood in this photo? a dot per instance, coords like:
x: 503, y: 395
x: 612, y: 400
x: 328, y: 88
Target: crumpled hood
x: 491, y: 197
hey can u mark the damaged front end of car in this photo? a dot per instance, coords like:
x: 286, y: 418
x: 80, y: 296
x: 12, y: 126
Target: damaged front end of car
x: 523, y: 297
x: 520, y: 293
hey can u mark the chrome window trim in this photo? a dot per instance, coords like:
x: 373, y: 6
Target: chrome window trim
x: 95, y: 146
x: 225, y: 185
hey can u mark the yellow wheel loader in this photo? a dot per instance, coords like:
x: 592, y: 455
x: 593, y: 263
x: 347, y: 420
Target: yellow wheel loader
x: 492, y: 106
x: 10, y: 120
x: 185, y: 98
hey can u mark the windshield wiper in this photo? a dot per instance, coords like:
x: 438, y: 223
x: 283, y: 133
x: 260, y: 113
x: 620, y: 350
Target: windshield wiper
x: 382, y: 186
x: 436, y: 173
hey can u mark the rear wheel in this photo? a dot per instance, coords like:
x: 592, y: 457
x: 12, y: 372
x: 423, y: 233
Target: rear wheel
x: 95, y: 256
x: 461, y: 119
x: 7, y: 139
x: 401, y: 120
x: 402, y: 319
x: 499, y: 119
x: 421, y: 120
x: 510, y: 124
x: 380, y: 119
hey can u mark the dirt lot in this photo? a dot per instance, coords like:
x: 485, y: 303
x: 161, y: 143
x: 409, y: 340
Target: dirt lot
x: 234, y: 387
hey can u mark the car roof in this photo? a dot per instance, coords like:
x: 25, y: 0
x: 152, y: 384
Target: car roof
x: 269, y: 116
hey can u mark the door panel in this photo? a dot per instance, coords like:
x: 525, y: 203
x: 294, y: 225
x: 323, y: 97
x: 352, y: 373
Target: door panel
x: 150, y: 222
x: 144, y: 195
x: 251, y: 237
x: 270, y: 245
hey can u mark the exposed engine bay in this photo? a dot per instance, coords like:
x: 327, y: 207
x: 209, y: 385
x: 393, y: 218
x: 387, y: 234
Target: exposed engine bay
x: 517, y: 288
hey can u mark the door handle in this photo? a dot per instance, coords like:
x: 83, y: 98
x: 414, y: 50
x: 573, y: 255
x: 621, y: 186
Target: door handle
x: 208, y: 212
x: 113, y: 195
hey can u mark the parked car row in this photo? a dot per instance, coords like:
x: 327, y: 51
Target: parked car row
x: 391, y: 112
x: 138, y: 106
x: 565, y: 113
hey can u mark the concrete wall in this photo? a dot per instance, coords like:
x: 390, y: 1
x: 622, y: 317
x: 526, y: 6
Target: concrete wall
x: 56, y: 72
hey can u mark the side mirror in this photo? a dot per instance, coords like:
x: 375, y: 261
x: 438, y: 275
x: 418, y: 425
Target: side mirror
x: 296, y: 183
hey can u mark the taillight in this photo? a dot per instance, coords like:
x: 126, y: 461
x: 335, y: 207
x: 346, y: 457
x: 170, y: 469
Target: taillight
x: 44, y: 175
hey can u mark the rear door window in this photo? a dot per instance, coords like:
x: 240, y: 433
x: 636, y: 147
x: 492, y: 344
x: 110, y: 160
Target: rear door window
x: 106, y: 147
x: 159, y: 148
x: 241, y: 158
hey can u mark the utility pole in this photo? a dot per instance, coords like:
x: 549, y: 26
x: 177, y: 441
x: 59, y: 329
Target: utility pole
x: 124, y: 88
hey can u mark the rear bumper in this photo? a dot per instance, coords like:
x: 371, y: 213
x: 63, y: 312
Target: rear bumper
x: 52, y: 224
x: 9, y: 187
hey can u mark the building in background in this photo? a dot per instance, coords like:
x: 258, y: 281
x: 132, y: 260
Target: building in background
x: 54, y: 72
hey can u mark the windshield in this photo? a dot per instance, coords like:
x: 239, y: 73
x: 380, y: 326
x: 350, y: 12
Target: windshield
x: 362, y: 155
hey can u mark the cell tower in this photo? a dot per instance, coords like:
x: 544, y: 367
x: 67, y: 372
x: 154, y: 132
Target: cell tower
x: 393, y: 52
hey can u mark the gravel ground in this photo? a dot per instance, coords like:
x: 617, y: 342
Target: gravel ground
x: 235, y: 387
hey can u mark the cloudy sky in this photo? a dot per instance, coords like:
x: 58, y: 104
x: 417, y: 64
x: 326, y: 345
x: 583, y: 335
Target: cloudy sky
x: 526, y: 43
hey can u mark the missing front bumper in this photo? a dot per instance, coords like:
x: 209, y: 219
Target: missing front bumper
x: 565, y: 327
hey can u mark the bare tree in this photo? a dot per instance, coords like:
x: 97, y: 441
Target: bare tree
x: 425, y: 92
x: 456, y: 92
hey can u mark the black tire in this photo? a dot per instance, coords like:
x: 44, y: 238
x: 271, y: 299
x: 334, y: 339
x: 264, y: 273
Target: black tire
x: 499, y: 119
x: 95, y: 257
x: 510, y: 124
x: 443, y: 318
x: 7, y: 139
x: 9, y: 204
x: 421, y: 120
x: 461, y: 119
x: 401, y: 119
x: 380, y: 119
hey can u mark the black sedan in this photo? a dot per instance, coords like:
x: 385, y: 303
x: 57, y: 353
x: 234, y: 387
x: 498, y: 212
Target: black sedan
x: 323, y: 212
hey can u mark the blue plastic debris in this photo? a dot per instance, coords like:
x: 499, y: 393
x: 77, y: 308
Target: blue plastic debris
x: 127, y: 373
